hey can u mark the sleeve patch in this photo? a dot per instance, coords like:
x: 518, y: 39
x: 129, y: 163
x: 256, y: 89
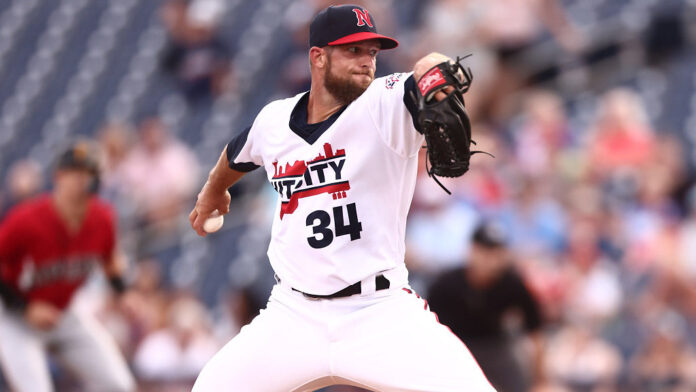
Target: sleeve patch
x: 391, y: 80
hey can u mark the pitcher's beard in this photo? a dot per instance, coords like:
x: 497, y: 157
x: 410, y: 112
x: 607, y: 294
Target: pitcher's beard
x: 343, y: 88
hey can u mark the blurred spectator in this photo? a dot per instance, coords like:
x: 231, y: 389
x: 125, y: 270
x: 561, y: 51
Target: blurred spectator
x: 581, y: 360
x: 513, y: 26
x: 116, y: 140
x: 159, y: 175
x: 478, y: 302
x: 509, y: 25
x: 542, y: 135
x: 622, y: 137
x: 24, y: 180
x: 666, y: 361
x: 177, y: 352
x: 497, y: 31
x: 686, y: 242
x: 591, y: 284
x: 148, y: 312
x: 653, y: 224
x: 196, y: 55
x: 489, y: 182
x: 536, y: 219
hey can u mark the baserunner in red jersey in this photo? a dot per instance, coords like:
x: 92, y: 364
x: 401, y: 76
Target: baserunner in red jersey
x: 48, y: 247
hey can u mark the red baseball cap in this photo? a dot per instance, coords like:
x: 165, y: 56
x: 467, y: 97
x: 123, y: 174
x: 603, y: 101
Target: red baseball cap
x: 344, y: 24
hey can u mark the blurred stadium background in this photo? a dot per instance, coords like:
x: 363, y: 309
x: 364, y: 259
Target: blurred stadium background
x: 589, y: 107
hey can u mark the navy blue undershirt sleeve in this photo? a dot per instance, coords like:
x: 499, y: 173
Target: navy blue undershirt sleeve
x: 233, y: 149
x: 409, y: 92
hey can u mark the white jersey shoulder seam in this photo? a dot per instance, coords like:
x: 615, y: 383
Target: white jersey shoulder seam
x: 369, y: 110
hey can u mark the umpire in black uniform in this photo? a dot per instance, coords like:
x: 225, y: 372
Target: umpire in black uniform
x: 475, y: 301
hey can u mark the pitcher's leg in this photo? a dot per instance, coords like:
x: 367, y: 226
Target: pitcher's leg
x: 22, y: 356
x: 278, y: 351
x: 403, y: 348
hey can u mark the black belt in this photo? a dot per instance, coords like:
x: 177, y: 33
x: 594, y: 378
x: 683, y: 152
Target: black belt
x: 381, y: 283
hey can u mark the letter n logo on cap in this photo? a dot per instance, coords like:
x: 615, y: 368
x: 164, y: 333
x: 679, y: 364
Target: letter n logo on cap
x: 363, y: 17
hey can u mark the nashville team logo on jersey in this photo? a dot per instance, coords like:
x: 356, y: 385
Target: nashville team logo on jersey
x: 310, y: 178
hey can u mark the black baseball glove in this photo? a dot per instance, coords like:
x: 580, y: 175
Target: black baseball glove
x: 445, y: 123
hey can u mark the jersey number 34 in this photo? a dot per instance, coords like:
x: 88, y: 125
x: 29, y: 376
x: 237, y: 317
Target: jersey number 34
x: 323, y: 235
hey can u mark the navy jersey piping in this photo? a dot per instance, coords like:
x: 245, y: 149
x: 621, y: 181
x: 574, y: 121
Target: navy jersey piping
x: 310, y: 133
x: 234, y: 147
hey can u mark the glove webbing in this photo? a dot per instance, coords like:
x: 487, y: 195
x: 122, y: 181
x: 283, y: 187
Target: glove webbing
x: 428, y: 169
x: 461, y: 85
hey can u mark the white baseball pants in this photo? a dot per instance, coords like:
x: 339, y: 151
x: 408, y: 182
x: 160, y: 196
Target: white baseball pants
x: 386, y: 341
x: 78, y: 342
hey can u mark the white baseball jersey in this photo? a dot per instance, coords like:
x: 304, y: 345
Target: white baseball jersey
x: 345, y: 185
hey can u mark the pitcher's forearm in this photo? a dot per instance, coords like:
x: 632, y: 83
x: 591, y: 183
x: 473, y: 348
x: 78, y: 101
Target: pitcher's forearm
x: 214, y: 195
x: 222, y: 176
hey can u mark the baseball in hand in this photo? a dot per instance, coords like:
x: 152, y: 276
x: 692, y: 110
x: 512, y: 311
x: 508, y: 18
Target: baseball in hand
x: 214, y: 222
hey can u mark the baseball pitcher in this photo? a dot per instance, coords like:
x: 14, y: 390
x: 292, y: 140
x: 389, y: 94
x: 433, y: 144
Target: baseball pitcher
x: 343, y: 159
